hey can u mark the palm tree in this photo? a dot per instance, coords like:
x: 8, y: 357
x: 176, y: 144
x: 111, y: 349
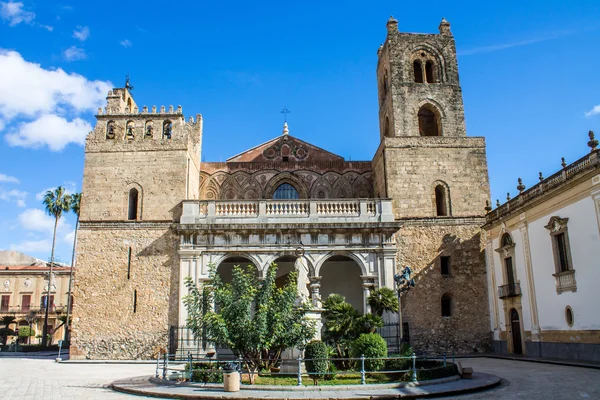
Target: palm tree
x: 6, y: 331
x: 75, y: 205
x: 7, y: 320
x: 383, y: 299
x: 56, y: 202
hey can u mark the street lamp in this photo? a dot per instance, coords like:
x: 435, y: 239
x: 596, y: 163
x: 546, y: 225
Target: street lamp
x: 403, y: 283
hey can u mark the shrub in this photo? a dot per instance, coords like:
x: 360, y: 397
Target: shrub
x: 206, y: 372
x: 400, y: 364
x: 25, y: 331
x: 371, y: 345
x: 317, y: 354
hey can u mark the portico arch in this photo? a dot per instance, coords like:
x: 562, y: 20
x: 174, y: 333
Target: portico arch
x: 225, y: 266
x: 341, y: 274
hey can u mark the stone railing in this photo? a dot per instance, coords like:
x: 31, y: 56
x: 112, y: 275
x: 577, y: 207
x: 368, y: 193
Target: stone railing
x: 588, y: 162
x: 509, y: 290
x: 286, y: 211
x: 565, y: 281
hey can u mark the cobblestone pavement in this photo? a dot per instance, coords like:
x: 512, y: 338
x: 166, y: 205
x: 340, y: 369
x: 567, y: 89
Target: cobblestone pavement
x: 22, y: 378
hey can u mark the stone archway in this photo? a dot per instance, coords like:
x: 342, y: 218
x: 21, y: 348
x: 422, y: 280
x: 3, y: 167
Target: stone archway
x: 342, y: 275
x: 225, y: 267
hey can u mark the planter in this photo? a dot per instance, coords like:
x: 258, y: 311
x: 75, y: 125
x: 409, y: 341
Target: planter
x: 231, y: 381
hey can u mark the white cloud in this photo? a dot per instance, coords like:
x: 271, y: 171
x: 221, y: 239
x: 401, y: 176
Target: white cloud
x: 81, y: 33
x: 27, y: 89
x: 69, y: 237
x: 593, y: 111
x: 49, y: 130
x: 74, y: 53
x: 126, y: 43
x: 6, y: 178
x: 33, y: 246
x: 16, y: 196
x: 35, y: 219
x: 13, y: 13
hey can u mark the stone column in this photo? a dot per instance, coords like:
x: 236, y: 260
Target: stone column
x: 315, y: 291
x: 367, y: 285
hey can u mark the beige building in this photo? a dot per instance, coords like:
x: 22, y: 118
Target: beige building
x: 543, y: 248
x: 153, y: 214
x: 24, y: 293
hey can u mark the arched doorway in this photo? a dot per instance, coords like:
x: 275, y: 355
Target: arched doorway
x: 515, y: 327
x: 341, y: 274
x: 225, y: 268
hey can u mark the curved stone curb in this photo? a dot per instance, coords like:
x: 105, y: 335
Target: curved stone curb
x: 144, y: 386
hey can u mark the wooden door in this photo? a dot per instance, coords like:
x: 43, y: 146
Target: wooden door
x: 26, y: 303
x: 515, y: 326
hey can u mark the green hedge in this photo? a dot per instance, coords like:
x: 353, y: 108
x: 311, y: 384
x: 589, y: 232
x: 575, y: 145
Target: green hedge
x: 206, y: 372
x: 371, y: 345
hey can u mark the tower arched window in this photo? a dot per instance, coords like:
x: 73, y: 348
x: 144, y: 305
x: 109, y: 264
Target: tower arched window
x: 133, y: 204
x: 286, y: 191
x: 430, y: 71
x: 429, y: 121
x: 110, y: 130
x: 386, y: 127
x: 446, y: 305
x: 167, y: 129
x: 418, y: 71
x: 442, y: 201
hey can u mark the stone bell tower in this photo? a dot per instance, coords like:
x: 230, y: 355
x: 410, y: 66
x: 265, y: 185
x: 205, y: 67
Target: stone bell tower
x: 437, y: 179
x: 139, y: 165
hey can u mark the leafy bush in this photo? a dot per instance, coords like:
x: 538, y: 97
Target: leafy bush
x: 371, y: 345
x: 26, y: 331
x: 400, y: 364
x: 206, y: 372
x: 317, y: 354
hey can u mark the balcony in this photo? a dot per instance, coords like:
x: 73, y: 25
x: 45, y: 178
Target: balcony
x: 34, y: 310
x: 286, y: 211
x: 509, y: 290
x: 565, y: 281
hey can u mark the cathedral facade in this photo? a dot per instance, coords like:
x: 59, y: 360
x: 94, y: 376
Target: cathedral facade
x: 152, y: 214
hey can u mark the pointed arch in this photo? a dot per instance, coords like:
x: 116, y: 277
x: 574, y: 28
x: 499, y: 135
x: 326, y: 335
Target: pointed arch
x: 430, y: 120
x: 342, y: 189
x: 289, y: 178
x: 321, y: 189
x: 362, y: 188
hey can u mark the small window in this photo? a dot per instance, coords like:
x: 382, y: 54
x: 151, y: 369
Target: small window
x: 286, y: 192
x: 446, y: 305
x: 441, y: 206
x: 285, y: 158
x: 561, y: 246
x: 135, y: 301
x: 506, y: 240
x: 386, y: 127
x: 445, y: 265
x: 167, y: 129
x: 110, y: 130
x: 133, y: 204
x: 129, y: 263
x: 50, y: 304
x: 418, y: 71
x: 430, y: 72
x: 510, y: 272
x: 569, y: 316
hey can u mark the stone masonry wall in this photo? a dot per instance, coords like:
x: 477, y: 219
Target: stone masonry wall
x: 420, y: 246
x: 414, y: 166
x: 105, y: 325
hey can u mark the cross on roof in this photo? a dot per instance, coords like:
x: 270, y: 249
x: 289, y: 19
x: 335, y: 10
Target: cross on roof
x: 285, y: 112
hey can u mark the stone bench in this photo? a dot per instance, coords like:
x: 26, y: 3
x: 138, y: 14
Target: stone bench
x: 465, y: 372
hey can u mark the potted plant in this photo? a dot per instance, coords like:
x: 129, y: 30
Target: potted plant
x: 231, y: 377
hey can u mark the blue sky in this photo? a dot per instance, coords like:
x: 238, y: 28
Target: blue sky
x: 529, y: 72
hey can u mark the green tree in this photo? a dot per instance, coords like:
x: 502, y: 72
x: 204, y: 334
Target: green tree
x: 317, y: 359
x: 253, y: 318
x: 6, y: 331
x: 75, y: 206
x: 340, y: 323
x: 370, y: 345
x: 383, y: 299
x: 57, y: 202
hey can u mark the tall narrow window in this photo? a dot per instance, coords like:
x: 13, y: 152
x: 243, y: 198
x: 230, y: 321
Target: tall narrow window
x: 445, y: 265
x: 133, y: 204
x: 285, y: 192
x: 4, y: 304
x: 429, y: 122
x: 47, y: 303
x: 386, y: 127
x: 561, y: 249
x: 446, y: 305
x: 510, y: 274
x: 25, y: 303
x: 430, y: 72
x: 418, y: 71
x: 561, y: 246
x: 135, y: 300
x: 167, y: 129
x: 129, y: 263
x: 441, y: 206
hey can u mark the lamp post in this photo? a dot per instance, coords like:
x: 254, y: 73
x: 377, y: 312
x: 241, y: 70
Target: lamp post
x: 403, y: 283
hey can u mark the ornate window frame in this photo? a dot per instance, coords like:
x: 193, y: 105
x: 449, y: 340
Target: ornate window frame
x: 565, y: 278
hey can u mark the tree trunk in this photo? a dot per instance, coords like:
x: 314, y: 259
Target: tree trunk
x: 49, y: 288
x: 69, y: 305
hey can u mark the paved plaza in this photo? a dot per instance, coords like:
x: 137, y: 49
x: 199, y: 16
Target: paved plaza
x: 28, y: 378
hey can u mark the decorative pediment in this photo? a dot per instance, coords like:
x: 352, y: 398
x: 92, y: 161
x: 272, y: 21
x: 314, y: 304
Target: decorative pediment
x: 285, y: 148
x: 557, y: 224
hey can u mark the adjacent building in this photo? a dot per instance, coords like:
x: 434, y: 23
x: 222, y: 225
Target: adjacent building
x: 24, y: 293
x: 543, y: 252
